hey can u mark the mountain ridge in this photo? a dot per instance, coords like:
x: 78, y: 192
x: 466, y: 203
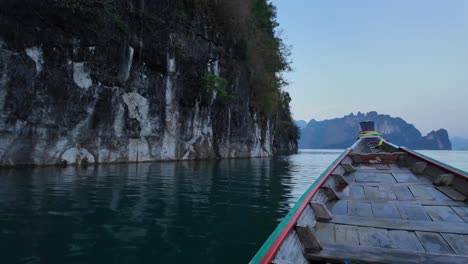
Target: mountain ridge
x: 341, y: 132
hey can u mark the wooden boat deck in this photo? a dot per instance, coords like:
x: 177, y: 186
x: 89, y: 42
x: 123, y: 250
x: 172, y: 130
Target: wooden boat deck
x: 377, y: 203
x: 386, y: 213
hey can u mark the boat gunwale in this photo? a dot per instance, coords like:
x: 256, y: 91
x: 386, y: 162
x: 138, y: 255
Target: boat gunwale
x: 279, y: 234
x: 437, y: 163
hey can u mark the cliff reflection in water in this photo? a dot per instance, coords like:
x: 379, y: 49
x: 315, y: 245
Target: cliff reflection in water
x: 170, y: 212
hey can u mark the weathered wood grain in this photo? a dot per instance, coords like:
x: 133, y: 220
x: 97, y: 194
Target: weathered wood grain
x: 308, y: 239
x: 450, y: 192
x: 443, y: 179
x: 403, y: 193
x: 405, y: 177
x: 339, y: 208
x: 346, y: 234
x: 413, y: 212
x: 321, y: 211
x: 405, y: 240
x: 433, y: 242
x: 443, y: 214
x: 341, y: 252
x: 374, y: 177
x: 420, y: 193
x: 462, y: 211
x: 409, y: 225
x: 357, y: 193
x: 385, y: 210
x: 374, y: 237
x: 459, y: 243
x: 325, y: 232
x: 359, y: 209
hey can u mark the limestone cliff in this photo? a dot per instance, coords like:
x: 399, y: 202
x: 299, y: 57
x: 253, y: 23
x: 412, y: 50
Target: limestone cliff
x: 85, y: 81
x: 340, y: 133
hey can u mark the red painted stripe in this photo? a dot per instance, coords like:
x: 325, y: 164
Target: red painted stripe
x: 276, y: 245
x: 440, y: 166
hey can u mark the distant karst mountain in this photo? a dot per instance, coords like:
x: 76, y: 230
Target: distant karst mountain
x: 300, y: 123
x: 340, y: 133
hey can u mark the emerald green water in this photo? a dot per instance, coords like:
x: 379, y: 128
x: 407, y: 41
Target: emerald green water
x: 168, y: 212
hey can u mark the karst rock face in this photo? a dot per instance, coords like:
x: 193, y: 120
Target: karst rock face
x: 76, y: 87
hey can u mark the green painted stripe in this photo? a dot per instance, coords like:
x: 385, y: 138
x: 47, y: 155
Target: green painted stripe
x: 437, y: 161
x: 266, y: 246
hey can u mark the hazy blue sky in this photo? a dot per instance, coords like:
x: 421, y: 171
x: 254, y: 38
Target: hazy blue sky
x: 406, y: 58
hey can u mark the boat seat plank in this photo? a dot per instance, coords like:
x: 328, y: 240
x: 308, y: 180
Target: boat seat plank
x: 403, y: 193
x: 418, y: 202
x: 459, y: 243
x: 347, y: 234
x: 405, y: 240
x: 437, y: 194
x: 341, y: 252
x: 382, y: 166
x: 443, y: 214
x: 374, y: 177
x: 462, y: 211
x: 357, y: 192
x: 413, y: 212
x: 385, y: 210
x: 340, y: 207
x: 433, y: 242
x: 359, y: 209
x: 409, y: 225
x: 405, y: 177
x: 325, y: 232
x: 450, y: 192
x: 374, y: 237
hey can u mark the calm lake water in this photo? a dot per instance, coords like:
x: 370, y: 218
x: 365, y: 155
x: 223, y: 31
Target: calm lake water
x: 168, y: 212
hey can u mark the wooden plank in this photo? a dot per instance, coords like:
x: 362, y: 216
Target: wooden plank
x: 405, y: 177
x: 346, y: 234
x: 444, y: 179
x: 359, y: 209
x: 413, y: 212
x: 459, y: 243
x: 348, y: 167
x: 372, y: 192
x: 418, y: 202
x: 450, y: 192
x: 410, y: 225
x: 308, y: 239
x: 402, y: 239
x: 403, y: 193
x: 290, y: 250
x: 461, y: 185
x: 389, y: 184
x: 357, y: 192
x: 420, y: 193
x: 342, y: 252
x: 462, y: 211
x: 374, y: 177
x: 382, y: 166
x: 436, y: 194
x: 433, y: 242
x: 321, y: 211
x: 339, y: 208
x: 385, y: 210
x: 386, y: 193
x: 374, y: 237
x: 443, y: 214
x: 325, y: 232
x: 418, y: 167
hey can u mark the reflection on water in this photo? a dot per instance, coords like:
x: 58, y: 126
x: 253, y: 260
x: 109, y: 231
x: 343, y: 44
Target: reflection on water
x: 197, y: 212
x: 171, y: 212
